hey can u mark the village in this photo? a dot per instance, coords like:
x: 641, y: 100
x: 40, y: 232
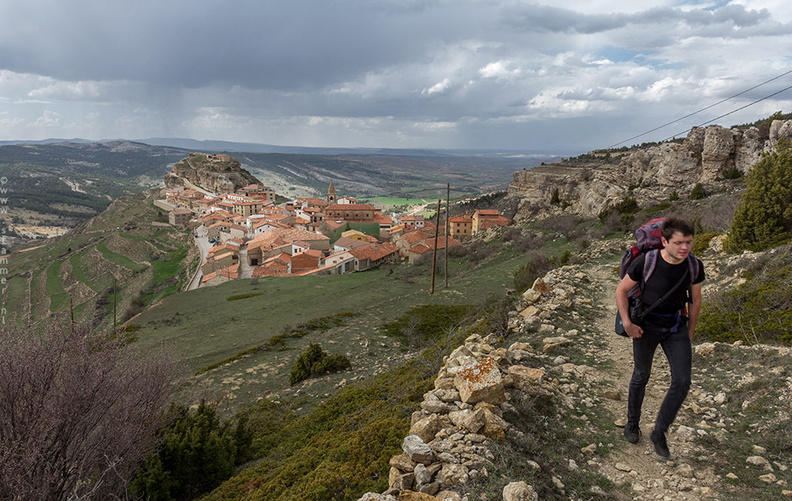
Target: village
x: 246, y: 234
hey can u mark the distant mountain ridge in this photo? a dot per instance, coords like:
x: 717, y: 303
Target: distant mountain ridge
x: 56, y: 185
x: 217, y: 146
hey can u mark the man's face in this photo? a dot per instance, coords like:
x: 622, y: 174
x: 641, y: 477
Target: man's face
x: 678, y: 246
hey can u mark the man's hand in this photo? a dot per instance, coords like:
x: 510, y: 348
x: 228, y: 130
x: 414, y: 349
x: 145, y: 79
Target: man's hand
x: 622, y: 303
x: 633, y: 330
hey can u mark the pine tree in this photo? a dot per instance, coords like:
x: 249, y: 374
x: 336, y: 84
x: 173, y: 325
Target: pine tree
x: 764, y: 217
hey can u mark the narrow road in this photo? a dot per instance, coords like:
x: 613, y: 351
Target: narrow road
x: 202, y: 241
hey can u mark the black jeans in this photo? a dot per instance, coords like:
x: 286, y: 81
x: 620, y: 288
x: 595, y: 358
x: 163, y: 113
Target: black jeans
x: 677, y: 349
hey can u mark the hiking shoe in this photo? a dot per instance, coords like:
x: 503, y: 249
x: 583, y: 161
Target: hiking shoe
x: 660, y: 445
x: 632, y: 432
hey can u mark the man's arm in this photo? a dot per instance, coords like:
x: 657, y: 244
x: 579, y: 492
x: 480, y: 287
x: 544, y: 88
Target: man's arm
x: 622, y: 304
x: 694, y: 308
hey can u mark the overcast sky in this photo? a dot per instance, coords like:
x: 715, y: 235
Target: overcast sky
x: 547, y: 75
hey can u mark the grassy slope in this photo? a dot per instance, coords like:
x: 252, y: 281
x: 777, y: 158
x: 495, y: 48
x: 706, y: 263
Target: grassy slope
x: 202, y: 328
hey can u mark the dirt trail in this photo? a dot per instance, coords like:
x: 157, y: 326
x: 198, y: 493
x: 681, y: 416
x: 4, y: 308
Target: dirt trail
x: 647, y: 475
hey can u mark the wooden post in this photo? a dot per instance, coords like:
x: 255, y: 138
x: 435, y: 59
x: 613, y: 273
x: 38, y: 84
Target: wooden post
x: 434, y: 253
x: 447, y: 229
x: 115, y: 306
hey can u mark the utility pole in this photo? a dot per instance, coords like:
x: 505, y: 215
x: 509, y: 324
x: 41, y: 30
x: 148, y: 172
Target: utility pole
x: 115, y: 306
x: 447, y: 229
x: 434, y: 254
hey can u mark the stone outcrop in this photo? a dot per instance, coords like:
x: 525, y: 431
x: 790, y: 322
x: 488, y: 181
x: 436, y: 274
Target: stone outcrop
x: 210, y: 173
x: 447, y: 448
x: 650, y: 174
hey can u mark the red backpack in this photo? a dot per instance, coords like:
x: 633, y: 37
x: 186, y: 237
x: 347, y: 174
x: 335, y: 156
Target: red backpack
x: 648, y: 241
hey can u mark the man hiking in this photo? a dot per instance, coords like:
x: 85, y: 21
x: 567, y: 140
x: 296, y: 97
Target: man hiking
x: 669, y: 289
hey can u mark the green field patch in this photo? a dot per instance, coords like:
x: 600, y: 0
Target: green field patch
x: 16, y: 298
x: 119, y: 259
x: 237, y: 297
x: 396, y: 201
x: 168, y: 266
x: 54, y: 285
x: 278, y: 342
x: 58, y: 298
x: 81, y: 274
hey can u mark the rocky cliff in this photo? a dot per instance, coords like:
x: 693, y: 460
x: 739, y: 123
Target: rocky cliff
x: 601, y: 179
x: 211, y: 173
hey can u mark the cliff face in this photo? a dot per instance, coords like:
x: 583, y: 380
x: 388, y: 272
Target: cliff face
x: 650, y: 174
x: 211, y: 173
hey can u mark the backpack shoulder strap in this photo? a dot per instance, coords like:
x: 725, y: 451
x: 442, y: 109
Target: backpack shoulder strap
x: 693, y: 264
x: 650, y: 263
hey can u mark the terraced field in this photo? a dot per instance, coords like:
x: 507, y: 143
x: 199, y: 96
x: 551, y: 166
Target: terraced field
x: 127, y: 254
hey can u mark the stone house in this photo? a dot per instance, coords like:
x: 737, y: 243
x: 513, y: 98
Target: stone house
x: 460, y: 226
x: 179, y: 217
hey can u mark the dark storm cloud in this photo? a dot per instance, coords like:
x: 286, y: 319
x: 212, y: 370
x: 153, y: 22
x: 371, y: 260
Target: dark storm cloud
x: 543, y: 18
x: 255, y: 44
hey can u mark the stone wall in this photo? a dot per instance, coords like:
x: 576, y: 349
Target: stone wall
x: 448, y: 446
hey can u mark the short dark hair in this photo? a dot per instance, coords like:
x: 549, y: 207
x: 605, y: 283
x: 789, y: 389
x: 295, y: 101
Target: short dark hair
x: 677, y: 224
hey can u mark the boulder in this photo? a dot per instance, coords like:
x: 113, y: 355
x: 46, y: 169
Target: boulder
x: 481, y: 382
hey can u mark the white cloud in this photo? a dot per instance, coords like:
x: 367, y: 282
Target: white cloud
x: 499, y: 70
x: 59, y: 90
x: 438, y: 88
x: 49, y: 119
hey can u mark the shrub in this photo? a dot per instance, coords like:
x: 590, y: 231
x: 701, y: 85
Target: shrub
x: 245, y: 295
x: 337, y: 450
x: 758, y: 310
x: 315, y: 362
x: 526, y: 275
x: 78, y: 412
x: 555, y: 199
x: 621, y: 215
x: 732, y: 173
x: 199, y: 451
x: 698, y: 192
x: 701, y: 242
x: 478, y: 251
x: 425, y: 324
x: 764, y: 217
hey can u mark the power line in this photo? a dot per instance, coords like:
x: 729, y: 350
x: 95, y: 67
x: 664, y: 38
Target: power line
x: 710, y: 106
x: 732, y: 112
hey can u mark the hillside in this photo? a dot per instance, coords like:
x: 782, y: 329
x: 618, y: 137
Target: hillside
x: 339, y: 435
x: 105, y: 270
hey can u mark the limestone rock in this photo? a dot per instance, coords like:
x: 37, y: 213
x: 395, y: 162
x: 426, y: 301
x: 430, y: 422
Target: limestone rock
x: 422, y: 475
x: 519, y: 491
x: 402, y: 462
x: 427, y: 428
x: 481, y: 382
x: 469, y: 420
x: 528, y: 380
x: 212, y: 173
x: 416, y: 449
x: 416, y: 496
x: 453, y: 474
x: 588, y: 187
x: 371, y: 496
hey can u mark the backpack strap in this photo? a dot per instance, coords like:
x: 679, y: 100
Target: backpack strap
x: 649, y: 265
x: 693, y: 265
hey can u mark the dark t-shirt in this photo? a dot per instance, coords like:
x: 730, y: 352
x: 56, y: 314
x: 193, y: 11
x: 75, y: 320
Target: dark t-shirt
x: 663, y: 278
